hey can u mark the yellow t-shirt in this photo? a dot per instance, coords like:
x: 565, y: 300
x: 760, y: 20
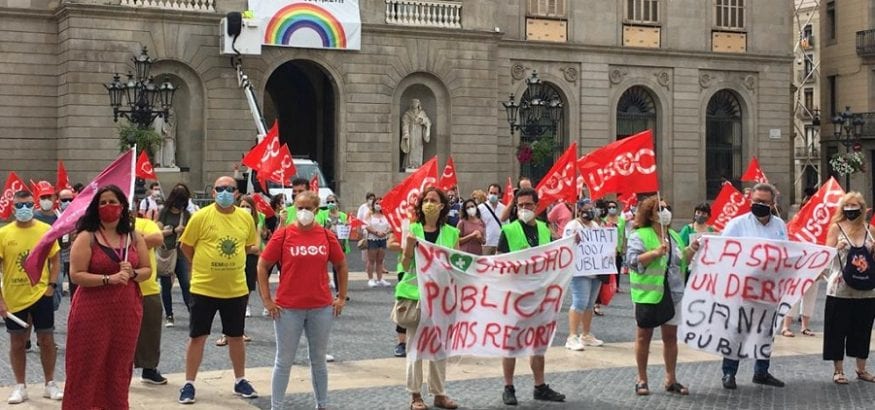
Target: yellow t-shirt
x: 219, y: 241
x: 15, y: 244
x: 146, y: 227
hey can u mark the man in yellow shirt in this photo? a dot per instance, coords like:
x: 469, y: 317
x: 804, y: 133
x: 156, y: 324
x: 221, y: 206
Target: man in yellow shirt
x: 148, y: 351
x: 215, y: 241
x: 31, y: 304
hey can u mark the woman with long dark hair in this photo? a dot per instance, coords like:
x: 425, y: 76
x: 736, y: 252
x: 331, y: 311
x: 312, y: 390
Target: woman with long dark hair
x: 107, y: 260
x: 172, y: 220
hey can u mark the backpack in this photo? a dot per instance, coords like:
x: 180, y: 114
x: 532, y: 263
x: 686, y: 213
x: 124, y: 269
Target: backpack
x: 858, y: 270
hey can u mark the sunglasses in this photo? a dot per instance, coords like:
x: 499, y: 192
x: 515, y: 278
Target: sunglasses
x: 330, y: 202
x: 65, y: 200
x: 226, y: 188
x: 24, y: 205
x: 665, y: 208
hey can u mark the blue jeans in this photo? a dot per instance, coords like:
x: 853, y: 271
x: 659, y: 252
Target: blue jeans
x: 584, y: 291
x: 730, y: 367
x: 183, y: 275
x: 316, y: 323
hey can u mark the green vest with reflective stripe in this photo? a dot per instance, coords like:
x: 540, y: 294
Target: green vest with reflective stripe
x: 648, y: 287
x: 516, y: 238
x: 408, y: 287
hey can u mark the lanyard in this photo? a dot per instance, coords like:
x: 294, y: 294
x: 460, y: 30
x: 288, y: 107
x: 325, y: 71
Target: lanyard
x: 120, y: 252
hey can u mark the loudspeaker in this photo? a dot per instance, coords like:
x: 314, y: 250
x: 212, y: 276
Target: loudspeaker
x: 235, y: 23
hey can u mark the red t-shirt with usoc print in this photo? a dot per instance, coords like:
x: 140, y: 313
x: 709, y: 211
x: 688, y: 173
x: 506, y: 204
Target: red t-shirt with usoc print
x: 303, y: 256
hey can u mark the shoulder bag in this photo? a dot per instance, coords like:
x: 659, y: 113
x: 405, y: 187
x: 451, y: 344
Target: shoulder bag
x: 166, y: 258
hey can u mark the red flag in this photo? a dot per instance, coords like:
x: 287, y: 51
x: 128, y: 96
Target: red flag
x: 627, y: 165
x: 405, y: 194
x: 63, y: 181
x: 560, y: 183
x: 730, y: 203
x: 508, y: 192
x: 118, y: 173
x: 144, y: 167
x: 262, y: 205
x: 13, y: 185
x: 754, y: 173
x: 261, y: 154
x: 355, y: 223
x: 281, y: 169
x: 314, y: 182
x: 812, y: 222
x: 628, y: 200
x: 42, y: 188
x: 448, y: 177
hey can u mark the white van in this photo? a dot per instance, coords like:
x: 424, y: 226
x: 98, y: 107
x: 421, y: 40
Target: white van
x: 305, y: 169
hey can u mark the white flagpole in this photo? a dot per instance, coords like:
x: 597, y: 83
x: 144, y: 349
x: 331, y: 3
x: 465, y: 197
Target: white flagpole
x: 133, y: 178
x: 659, y: 208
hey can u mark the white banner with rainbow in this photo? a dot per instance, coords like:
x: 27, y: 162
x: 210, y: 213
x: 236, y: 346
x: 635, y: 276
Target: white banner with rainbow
x: 332, y: 24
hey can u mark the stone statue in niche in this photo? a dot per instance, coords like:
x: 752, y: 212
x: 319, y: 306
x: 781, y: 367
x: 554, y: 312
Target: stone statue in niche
x: 166, y: 128
x: 415, y: 132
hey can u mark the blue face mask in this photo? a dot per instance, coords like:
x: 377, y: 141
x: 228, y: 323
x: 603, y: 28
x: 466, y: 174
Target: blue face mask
x: 224, y: 199
x: 23, y: 214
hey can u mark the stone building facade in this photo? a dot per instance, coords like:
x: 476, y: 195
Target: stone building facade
x: 711, y: 78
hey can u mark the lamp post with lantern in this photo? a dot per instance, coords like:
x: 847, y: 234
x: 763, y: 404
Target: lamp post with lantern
x: 847, y: 128
x: 538, y: 112
x: 140, y: 99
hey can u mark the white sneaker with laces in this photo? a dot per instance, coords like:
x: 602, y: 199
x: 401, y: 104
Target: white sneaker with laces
x: 372, y: 283
x: 18, y: 395
x: 574, y: 343
x: 385, y: 283
x: 590, y: 340
x: 53, y: 392
x: 248, y: 311
x: 329, y: 358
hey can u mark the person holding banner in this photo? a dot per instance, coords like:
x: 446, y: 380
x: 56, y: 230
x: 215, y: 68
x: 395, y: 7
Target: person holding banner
x: 26, y: 302
x: 657, y: 261
x: 699, y: 226
x: 108, y: 260
x: 431, y: 226
x: 759, y: 223
x: 584, y: 287
x: 303, y: 303
x: 523, y: 233
x: 849, y: 312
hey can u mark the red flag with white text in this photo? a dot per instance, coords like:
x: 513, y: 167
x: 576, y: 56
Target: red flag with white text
x: 560, y: 182
x: 314, y: 182
x: 628, y: 200
x: 754, y: 173
x: 262, y: 205
x: 627, y: 165
x: 63, y: 181
x: 448, y: 177
x: 264, y: 151
x: 811, y: 223
x: 144, y: 167
x: 730, y: 203
x: 508, y: 192
x: 281, y: 168
x: 405, y: 194
x: 13, y: 185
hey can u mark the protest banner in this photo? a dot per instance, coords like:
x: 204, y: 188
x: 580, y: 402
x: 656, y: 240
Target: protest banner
x: 489, y: 306
x: 596, y: 253
x: 740, y: 289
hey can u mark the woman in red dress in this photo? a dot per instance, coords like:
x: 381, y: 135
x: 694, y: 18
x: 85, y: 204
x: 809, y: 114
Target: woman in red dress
x: 107, y: 260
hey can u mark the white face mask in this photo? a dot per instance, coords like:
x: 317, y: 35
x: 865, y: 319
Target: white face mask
x: 46, y: 204
x: 378, y: 208
x: 472, y: 212
x: 525, y: 215
x: 493, y: 198
x: 305, y: 217
x: 665, y: 217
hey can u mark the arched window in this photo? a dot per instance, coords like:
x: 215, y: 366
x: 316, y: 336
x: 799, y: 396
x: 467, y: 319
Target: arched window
x: 636, y: 112
x: 723, y: 139
x: 542, y: 129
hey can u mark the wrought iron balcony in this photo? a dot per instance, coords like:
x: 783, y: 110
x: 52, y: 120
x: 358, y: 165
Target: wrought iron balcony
x: 423, y: 13
x: 205, y: 6
x: 866, y: 43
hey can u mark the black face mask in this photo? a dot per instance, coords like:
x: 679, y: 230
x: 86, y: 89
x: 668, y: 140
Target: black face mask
x: 588, y: 215
x: 760, y: 210
x: 852, y: 214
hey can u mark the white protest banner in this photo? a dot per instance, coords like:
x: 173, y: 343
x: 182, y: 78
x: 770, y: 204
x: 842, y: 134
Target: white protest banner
x: 740, y: 290
x: 489, y: 306
x: 596, y: 252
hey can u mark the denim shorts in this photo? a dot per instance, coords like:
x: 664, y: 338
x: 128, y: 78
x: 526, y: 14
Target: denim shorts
x: 376, y: 243
x: 584, y: 291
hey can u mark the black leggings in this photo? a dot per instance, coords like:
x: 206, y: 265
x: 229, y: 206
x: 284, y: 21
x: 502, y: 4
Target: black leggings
x: 847, y: 327
x: 398, y: 329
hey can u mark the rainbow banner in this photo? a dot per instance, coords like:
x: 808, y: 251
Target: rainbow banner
x: 333, y: 24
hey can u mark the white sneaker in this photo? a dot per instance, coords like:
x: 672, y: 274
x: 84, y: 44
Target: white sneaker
x: 329, y: 358
x: 19, y: 394
x: 574, y: 343
x: 53, y: 391
x: 248, y: 312
x: 265, y: 312
x: 590, y: 340
x: 372, y: 283
x: 385, y: 283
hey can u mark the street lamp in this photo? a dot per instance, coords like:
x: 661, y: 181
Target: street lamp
x: 847, y: 128
x: 139, y: 98
x: 526, y: 115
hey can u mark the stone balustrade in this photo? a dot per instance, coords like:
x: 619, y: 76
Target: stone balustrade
x: 423, y: 13
x: 206, y: 6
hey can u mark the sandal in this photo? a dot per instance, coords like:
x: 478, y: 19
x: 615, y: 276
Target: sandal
x: 839, y: 378
x: 597, y: 311
x: 418, y: 404
x: 222, y: 341
x: 246, y: 338
x: 787, y: 332
x: 677, y: 388
x: 865, y: 376
x: 641, y: 389
x: 444, y: 402
x: 807, y: 332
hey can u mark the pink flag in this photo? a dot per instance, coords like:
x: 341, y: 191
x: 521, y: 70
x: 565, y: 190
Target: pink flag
x: 119, y: 173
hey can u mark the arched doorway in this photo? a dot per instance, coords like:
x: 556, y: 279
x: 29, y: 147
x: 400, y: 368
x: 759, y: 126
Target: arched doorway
x: 636, y: 112
x: 542, y: 130
x: 723, y: 141
x: 301, y: 95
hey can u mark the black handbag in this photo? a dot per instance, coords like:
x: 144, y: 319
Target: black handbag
x: 651, y: 315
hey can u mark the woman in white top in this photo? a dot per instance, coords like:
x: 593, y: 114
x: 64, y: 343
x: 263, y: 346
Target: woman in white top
x: 849, y: 312
x: 584, y: 289
x: 378, y: 229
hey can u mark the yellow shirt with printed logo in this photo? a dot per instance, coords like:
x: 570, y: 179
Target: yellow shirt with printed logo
x: 146, y: 227
x: 219, y: 241
x: 15, y: 244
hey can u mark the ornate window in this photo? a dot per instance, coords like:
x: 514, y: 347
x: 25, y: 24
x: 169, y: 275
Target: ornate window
x: 542, y: 130
x: 547, y: 8
x: 723, y: 139
x: 642, y: 11
x: 636, y: 112
x: 729, y: 14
